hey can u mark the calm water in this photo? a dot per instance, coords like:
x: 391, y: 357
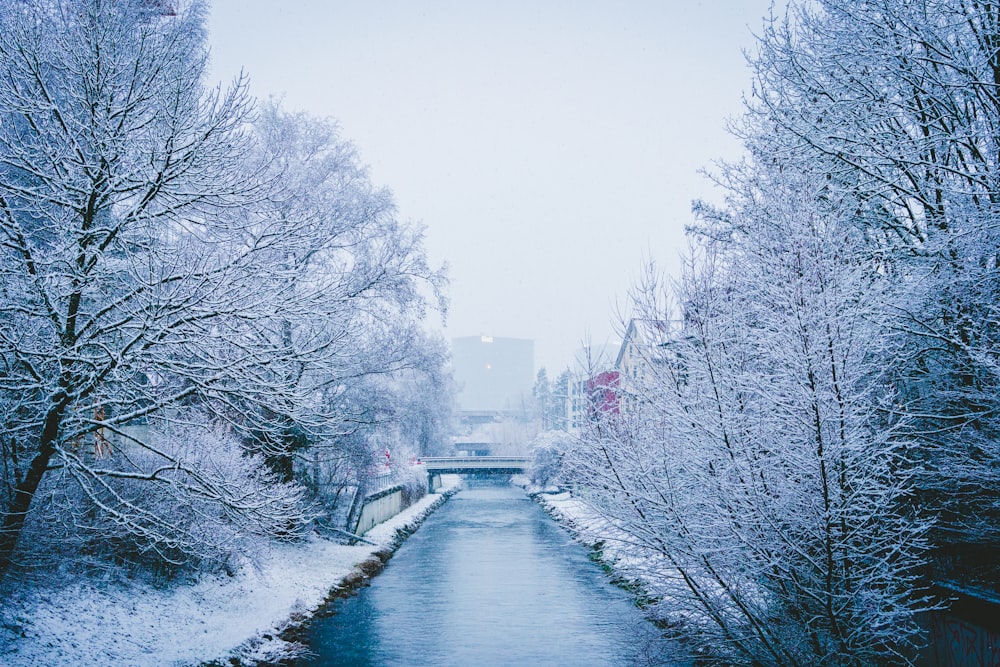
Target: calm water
x: 488, y: 579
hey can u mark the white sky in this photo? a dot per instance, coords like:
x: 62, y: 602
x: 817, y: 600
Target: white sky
x: 549, y: 146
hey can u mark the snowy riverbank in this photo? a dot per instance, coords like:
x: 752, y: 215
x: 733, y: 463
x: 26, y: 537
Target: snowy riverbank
x: 593, y: 530
x: 217, y: 618
x: 573, y: 514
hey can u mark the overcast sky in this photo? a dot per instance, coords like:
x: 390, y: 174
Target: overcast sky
x: 547, y: 146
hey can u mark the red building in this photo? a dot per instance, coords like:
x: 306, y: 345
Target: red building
x: 603, y: 395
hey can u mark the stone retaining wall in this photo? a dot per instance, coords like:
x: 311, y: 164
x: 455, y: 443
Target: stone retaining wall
x: 378, y: 507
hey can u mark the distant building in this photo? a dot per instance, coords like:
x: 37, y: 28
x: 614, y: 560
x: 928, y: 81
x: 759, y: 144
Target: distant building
x: 603, y: 397
x: 648, y: 344
x: 602, y: 390
x: 494, y: 375
x: 592, y: 385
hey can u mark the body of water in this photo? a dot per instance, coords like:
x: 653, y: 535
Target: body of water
x: 489, y: 579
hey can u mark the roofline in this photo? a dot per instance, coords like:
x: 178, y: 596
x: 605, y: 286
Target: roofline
x: 625, y: 339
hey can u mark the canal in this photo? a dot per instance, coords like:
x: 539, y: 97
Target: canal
x: 489, y: 579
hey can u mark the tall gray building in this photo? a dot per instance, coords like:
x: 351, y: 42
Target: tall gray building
x: 493, y: 374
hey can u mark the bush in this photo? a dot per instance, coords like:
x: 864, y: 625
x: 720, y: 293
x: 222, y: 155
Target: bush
x: 547, y: 451
x: 195, y: 501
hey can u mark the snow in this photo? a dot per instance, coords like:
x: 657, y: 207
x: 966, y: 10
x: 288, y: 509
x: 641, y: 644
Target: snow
x: 133, y: 624
x: 591, y: 528
x: 580, y: 517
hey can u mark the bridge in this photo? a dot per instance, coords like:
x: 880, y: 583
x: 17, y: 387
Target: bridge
x: 464, y: 465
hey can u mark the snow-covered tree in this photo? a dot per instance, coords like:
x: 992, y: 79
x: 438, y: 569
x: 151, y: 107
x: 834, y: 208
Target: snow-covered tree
x: 547, y: 450
x: 161, y: 259
x: 178, y: 268
x: 551, y: 400
x: 113, y: 160
x: 356, y: 287
x: 898, y: 102
x: 757, y: 474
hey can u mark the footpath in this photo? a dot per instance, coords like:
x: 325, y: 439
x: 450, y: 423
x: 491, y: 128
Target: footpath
x: 220, y: 620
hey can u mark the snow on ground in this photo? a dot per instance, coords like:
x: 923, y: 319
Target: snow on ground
x: 578, y: 516
x: 88, y: 623
x: 592, y: 528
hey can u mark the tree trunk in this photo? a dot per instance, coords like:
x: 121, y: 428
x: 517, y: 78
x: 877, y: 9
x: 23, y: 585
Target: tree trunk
x: 13, y: 523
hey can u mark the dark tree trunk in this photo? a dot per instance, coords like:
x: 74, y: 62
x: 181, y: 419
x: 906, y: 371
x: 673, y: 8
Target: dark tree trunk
x: 13, y: 522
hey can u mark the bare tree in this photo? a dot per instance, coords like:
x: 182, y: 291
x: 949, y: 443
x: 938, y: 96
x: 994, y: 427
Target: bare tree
x: 898, y: 103
x: 756, y: 477
x: 129, y: 282
x: 356, y: 288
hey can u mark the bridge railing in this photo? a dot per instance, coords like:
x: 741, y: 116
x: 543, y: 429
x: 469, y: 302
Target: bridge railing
x: 474, y: 462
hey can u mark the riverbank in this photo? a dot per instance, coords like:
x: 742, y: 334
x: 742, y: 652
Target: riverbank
x: 570, y: 512
x: 227, y: 620
x: 604, y: 539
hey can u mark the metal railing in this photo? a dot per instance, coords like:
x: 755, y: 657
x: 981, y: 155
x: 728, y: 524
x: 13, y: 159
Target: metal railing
x: 475, y: 462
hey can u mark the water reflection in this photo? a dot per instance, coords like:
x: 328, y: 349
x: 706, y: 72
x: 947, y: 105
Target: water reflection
x: 489, y: 579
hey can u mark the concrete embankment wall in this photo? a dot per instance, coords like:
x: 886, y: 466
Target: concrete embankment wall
x: 379, y: 507
x: 433, y: 483
x: 965, y: 635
